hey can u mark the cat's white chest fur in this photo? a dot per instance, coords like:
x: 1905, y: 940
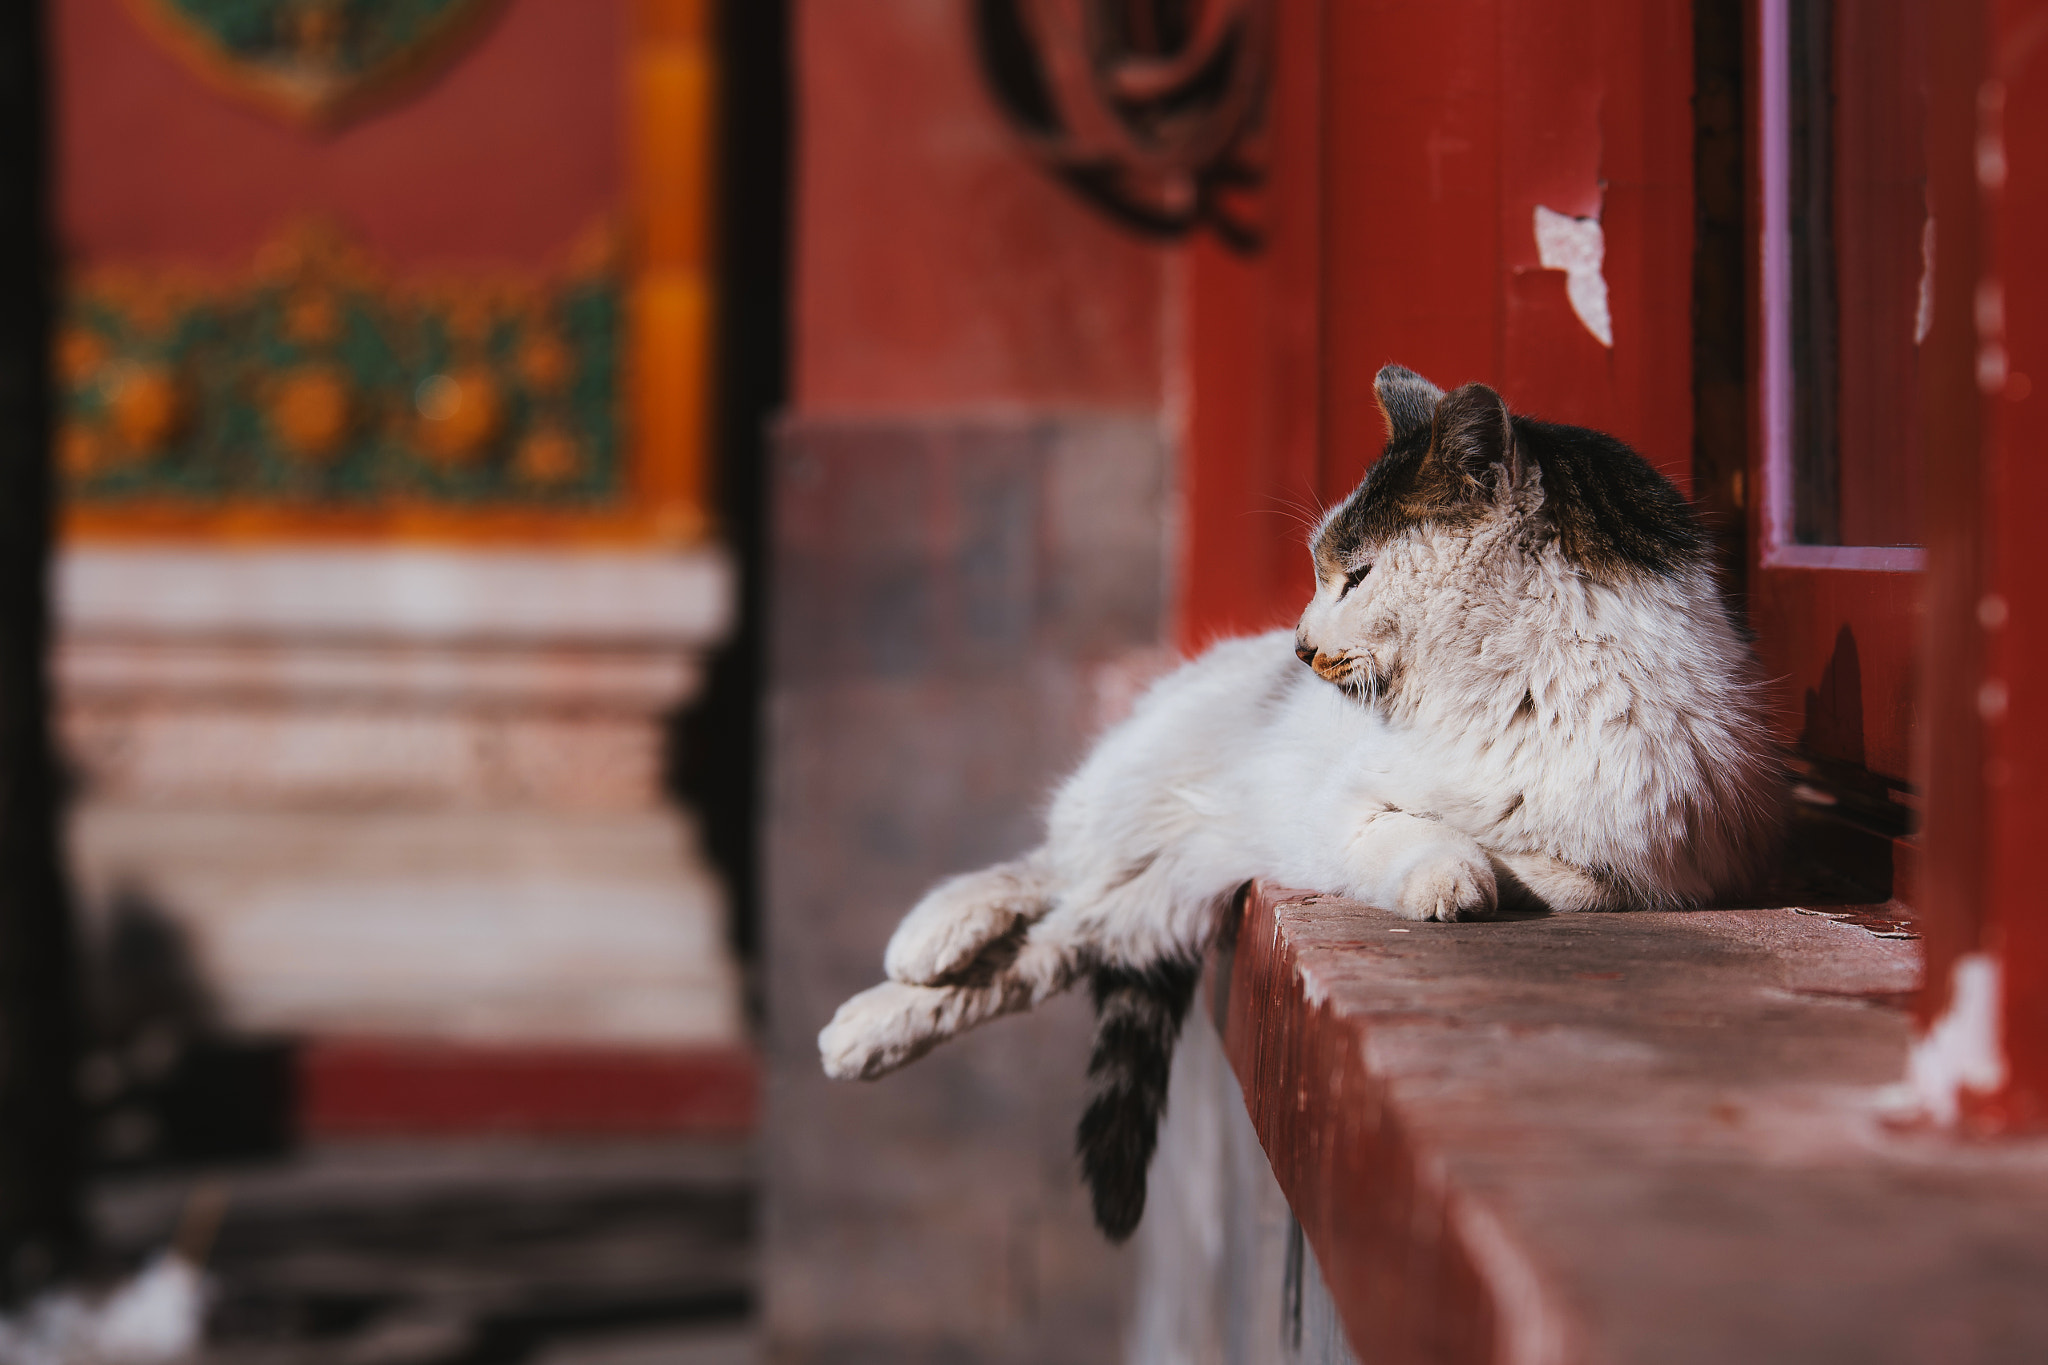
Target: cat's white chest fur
x: 1242, y: 764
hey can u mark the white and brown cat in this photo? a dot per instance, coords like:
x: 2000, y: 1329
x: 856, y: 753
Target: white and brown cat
x: 1516, y: 683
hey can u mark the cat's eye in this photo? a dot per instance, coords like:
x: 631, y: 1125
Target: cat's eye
x: 1355, y: 577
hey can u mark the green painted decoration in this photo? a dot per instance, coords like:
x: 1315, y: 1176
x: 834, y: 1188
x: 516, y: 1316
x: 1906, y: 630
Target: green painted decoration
x: 318, y: 384
x: 312, y: 60
x: 343, y: 36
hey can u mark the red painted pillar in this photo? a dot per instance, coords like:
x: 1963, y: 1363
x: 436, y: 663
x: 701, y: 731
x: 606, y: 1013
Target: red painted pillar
x: 1984, y: 1054
x: 2013, y: 107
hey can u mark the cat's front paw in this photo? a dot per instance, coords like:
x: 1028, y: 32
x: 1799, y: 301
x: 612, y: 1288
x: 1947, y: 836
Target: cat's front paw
x: 882, y: 1028
x: 1448, y: 888
x: 956, y: 922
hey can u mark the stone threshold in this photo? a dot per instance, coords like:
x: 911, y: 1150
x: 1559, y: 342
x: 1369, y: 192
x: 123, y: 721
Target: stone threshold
x: 1641, y: 1137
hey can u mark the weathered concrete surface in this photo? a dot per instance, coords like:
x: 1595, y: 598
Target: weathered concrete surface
x: 1663, y: 1138
x: 1224, y: 1274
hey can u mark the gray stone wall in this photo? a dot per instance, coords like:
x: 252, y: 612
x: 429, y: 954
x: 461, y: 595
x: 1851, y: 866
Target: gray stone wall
x: 1224, y: 1275
x: 957, y: 606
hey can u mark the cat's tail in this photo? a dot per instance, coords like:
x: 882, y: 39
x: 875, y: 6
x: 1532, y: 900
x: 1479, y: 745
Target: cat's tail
x: 1138, y: 1014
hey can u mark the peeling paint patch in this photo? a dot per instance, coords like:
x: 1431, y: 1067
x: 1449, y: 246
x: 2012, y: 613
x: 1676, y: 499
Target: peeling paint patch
x: 1961, y: 1051
x: 1578, y: 247
x: 1923, y: 311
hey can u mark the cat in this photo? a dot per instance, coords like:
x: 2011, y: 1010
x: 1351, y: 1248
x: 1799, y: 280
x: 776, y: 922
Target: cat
x: 1517, y: 684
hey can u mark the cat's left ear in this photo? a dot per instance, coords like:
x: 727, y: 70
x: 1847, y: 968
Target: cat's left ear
x: 1472, y: 435
x: 1407, y: 400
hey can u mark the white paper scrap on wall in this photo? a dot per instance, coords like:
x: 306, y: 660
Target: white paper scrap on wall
x: 1961, y: 1051
x: 1578, y: 248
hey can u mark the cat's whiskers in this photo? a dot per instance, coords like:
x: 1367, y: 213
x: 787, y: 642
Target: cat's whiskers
x: 1355, y: 675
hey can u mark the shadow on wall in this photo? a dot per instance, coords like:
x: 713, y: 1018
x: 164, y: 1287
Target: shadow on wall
x: 1848, y: 824
x: 1834, y: 710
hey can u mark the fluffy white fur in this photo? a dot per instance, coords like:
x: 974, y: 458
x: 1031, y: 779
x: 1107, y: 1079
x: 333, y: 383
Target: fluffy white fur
x: 1484, y: 722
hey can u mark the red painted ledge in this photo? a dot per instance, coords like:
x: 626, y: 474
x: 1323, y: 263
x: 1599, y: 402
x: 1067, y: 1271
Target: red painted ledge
x: 377, y: 1087
x: 1641, y: 1137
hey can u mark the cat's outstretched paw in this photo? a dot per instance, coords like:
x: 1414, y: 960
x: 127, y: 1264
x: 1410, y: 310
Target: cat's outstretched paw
x: 895, y: 1023
x: 1448, y: 888
x: 958, y: 920
x: 882, y: 1028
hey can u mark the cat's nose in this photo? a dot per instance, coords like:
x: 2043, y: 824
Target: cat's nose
x: 1304, y: 651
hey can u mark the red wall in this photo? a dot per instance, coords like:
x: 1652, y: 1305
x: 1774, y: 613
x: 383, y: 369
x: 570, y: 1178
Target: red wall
x: 1408, y: 235
x: 1437, y: 168
x: 936, y: 266
x: 506, y: 155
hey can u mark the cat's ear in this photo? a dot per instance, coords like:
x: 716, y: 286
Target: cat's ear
x: 1407, y: 400
x: 1472, y: 435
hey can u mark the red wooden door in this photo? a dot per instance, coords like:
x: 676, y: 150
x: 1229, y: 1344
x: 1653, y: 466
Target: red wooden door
x: 1882, y: 484
x: 1410, y: 150
x: 1985, y: 665
x: 1838, y: 205
x: 1406, y: 203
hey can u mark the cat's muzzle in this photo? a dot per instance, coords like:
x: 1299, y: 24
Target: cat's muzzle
x: 1335, y: 668
x: 1355, y: 675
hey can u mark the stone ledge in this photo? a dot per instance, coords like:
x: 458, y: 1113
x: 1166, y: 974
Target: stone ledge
x: 362, y: 676
x: 556, y: 598
x: 627, y: 679
x: 1644, y: 1137
x: 481, y: 927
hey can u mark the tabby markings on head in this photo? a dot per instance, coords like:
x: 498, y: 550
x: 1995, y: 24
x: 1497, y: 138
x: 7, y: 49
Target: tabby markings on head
x: 1449, y: 457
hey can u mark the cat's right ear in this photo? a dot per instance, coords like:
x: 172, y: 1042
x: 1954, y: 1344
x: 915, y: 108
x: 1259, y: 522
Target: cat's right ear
x: 1407, y: 400
x: 1473, y: 435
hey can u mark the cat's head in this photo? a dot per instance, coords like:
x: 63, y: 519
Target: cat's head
x: 1451, y: 462
x: 1457, y: 466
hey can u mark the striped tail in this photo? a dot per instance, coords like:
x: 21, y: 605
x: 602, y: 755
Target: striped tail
x: 1138, y: 1016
